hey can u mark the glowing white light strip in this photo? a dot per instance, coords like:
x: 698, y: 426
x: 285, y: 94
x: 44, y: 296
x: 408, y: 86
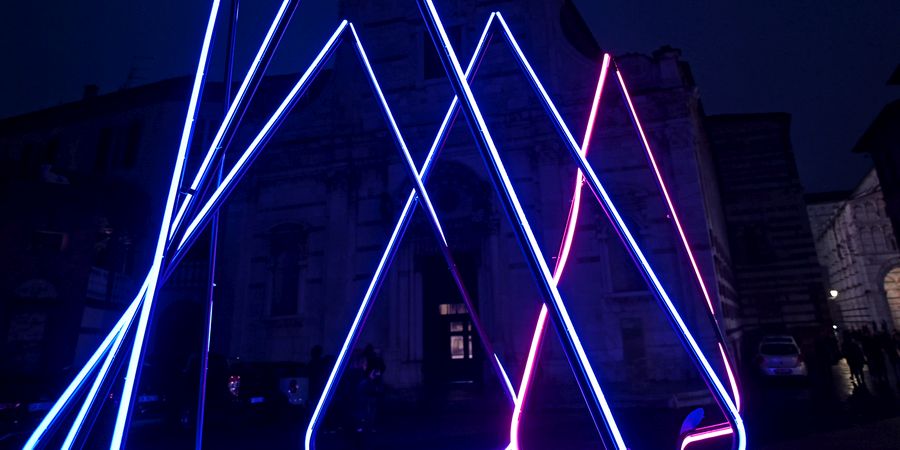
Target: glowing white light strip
x: 408, y: 208
x: 665, y: 190
x: 561, y: 260
x: 260, y: 137
x: 398, y: 137
x: 599, y: 191
x: 423, y: 194
x: 66, y: 397
x: 134, y: 360
x: 526, y: 228
x: 505, y: 376
x: 122, y: 418
x: 687, y: 247
x: 92, y: 394
x: 354, y: 327
x: 229, y: 117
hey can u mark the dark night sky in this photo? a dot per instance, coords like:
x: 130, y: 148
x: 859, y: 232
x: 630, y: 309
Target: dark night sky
x: 825, y: 62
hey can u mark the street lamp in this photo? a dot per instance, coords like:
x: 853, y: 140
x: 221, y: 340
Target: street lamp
x: 833, y: 293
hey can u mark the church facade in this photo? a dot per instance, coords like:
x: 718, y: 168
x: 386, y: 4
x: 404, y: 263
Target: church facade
x: 303, y: 233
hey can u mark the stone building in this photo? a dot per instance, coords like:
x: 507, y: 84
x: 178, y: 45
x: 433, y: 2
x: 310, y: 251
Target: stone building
x: 302, y: 233
x: 882, y: 141
x: 308, y: 223
x: 773, y: 254
x: 82, y: 187
x: 856, y: 247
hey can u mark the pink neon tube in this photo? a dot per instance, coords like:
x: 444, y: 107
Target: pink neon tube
x: 701, y: 435
x: 713, y: 431
x: 562, y: 258
x: 705, y: 433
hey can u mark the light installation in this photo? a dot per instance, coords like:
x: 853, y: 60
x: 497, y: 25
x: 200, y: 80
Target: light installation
x: 195, y: 209
x: 566, y: 246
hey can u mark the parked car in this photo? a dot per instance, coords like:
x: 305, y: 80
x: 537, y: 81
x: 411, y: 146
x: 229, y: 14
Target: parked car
x: 779, y: 356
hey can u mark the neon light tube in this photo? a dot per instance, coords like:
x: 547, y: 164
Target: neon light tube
x: 92, y: 394
x: 561, y: 260
x: 122, y: 417
x: 685, y: 244
x: 665, y: 192
x: 53, y: 414
x: 674, y: 317
x: 398, y: 138
x: 239, y: 166
x: 388, y: 256
x: 229, y: 117
x: 732, y: 380
x: 154, y: 273
x: 507, y: 383
x: 581, y: 366
x: 721, y: 429
x: 708, y: 433
x: 419, y: 187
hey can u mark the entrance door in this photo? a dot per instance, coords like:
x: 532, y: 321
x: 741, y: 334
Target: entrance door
x: 452, y: 351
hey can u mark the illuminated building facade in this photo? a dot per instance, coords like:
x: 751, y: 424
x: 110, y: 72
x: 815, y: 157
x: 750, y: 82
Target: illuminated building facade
x: 332, y: 177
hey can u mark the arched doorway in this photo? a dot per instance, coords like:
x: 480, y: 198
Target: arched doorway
x: 452, y: 351
x: 892, y: 294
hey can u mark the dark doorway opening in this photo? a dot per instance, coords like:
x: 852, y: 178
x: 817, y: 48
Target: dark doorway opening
x: 452, y: 352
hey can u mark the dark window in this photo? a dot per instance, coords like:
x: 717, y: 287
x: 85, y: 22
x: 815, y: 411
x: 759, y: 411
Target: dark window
x: 431, y: 62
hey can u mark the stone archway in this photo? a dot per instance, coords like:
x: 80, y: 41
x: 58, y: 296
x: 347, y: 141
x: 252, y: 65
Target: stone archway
x: 892, y: 293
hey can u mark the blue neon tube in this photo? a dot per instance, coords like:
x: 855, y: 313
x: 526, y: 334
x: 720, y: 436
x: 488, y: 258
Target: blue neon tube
x: 581, y: 366
x: 122, y: 416
x: 251, y: 79
x: 388, y: 256
x: 66, y: 397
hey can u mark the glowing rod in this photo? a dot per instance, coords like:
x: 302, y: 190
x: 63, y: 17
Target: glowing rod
x: 251, y: 79
x: 153, y: 274
x: 419, y: 188
x: 711, y: 378
x: 388, y: 256
x: 581, y: 366
x: 562, y: 258
x: 706, y: 433
x: 134, y: 363
x: 565, y: 247
x: 251, y: 152
x: 687, y: 248
x: 91, y: 397
x: 118, y: 333
x: 53, y: 414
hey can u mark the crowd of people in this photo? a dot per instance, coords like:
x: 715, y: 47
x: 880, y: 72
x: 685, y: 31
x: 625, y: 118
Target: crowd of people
x: 876, y: 348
